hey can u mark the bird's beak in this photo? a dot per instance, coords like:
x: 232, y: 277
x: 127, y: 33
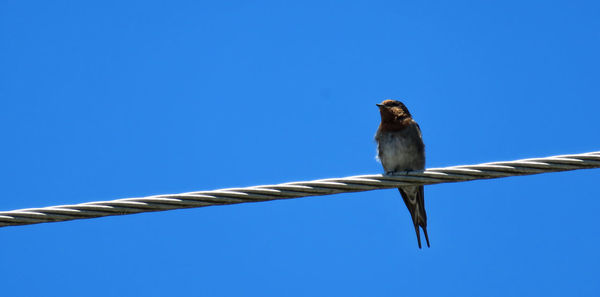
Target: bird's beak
x: 379, y: 105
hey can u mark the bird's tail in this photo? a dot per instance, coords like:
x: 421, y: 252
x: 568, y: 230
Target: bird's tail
x: 414, y: 199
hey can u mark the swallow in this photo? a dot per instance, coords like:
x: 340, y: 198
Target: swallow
x: 400, y: 148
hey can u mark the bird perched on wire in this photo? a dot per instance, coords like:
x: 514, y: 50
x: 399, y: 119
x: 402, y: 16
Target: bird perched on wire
x: 400, y: 148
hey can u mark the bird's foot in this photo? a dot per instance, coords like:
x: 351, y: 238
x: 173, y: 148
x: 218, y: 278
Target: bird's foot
x: 398, y: 172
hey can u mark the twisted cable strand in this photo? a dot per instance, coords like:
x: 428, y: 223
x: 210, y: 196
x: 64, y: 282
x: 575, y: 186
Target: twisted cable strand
x: 328, y: 186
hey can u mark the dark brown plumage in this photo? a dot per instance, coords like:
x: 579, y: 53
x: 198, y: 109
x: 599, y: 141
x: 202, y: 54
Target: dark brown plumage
x: 400, y: 148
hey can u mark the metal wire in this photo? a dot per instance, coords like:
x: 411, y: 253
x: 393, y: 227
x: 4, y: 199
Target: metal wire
x: 298, y: 189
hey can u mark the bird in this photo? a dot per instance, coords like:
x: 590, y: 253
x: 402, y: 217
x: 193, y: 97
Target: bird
x: 400, y: 148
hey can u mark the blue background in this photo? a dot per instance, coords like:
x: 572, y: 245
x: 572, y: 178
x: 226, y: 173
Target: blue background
x: 111, y: 99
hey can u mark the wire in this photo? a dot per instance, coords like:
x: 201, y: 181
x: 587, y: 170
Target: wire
x: 298, y: 189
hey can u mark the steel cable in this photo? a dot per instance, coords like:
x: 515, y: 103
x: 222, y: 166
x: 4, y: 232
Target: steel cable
x: 298, y: 189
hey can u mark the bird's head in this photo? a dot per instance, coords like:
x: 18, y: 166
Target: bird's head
x: 392, y: 110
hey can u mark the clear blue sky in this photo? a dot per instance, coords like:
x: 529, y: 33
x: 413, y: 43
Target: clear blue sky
x: 110, y: 99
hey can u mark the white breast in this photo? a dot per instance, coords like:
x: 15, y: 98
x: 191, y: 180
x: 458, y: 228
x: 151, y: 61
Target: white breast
x: 398, y: 153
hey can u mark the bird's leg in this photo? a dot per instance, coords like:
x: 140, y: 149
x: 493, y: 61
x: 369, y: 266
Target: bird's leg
x: 397, y: 172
